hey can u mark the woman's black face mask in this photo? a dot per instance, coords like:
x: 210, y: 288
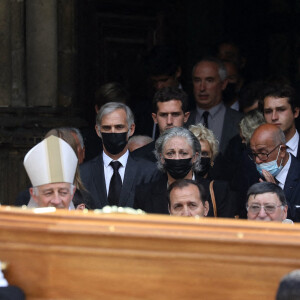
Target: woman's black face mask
x: 178, y: 168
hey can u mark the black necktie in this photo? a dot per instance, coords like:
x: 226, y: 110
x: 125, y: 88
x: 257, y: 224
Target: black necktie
x: 205, y: 118
x: 115, y: 185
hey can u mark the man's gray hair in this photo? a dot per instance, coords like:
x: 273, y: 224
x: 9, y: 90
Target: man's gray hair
x: 177, y: 132
x: 111, y: 107
x: 221, y: 67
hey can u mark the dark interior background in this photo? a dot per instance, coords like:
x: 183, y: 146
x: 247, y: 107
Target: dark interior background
x: 100, y: 41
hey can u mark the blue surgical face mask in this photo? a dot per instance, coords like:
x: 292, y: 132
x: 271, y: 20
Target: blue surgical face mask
x: 270, y: 166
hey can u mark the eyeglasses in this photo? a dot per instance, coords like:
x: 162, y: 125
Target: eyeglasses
x: 262, y: 156
x: 269, y: 208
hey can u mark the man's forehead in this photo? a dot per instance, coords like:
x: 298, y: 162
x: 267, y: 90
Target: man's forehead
x: 169, y: 106
x: 264, y: 198
x: 207, y: 68
x: 271, y: 101
x: 187, y: 192
x: 262, y: 138
x: 259, y: 146
x: 52, y: 186
x: 116, y: 117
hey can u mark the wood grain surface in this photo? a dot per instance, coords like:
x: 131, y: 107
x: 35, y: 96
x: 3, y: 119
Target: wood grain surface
x: 77, y: 255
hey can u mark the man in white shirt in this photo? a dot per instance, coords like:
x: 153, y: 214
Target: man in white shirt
x: 111, y: 177
x: 277, y: 165
x: 279, y: 107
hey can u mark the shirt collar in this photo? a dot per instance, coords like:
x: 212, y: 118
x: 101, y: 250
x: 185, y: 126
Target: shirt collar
x: 123, y: 159
x: 212, y: 111
x: 293, y: 142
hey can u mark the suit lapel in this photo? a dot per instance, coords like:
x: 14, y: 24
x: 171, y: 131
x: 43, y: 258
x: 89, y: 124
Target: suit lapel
x: 128, y: 182
x: 298, y: 152
x: 99, y: 182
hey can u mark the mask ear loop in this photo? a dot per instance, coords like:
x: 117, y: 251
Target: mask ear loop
x: 278, y: 155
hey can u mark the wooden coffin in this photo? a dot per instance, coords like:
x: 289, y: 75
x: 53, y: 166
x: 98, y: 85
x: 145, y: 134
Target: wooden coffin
x: 77, y: 255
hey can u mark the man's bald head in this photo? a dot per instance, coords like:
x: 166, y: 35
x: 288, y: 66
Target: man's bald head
x: 268, y: 132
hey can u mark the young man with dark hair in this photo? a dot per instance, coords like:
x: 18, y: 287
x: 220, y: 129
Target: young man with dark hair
x: 279, y: 107
x: 169, y: 110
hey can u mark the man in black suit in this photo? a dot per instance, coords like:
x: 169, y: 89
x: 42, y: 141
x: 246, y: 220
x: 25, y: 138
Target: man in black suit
x: 170, y: 106
x: 111, y: 177
x: 209, y: 80
x: 277, y: 165
x: 279, y: 107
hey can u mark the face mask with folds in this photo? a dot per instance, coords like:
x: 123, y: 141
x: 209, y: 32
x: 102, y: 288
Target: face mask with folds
x: 205, y: 166
x: 178, y: 168
x: 270, y: 166
x: 114, y: 143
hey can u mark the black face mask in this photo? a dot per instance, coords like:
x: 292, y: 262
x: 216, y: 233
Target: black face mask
x: 205, y: 165
x: 114, y: 143
x: 178, y: 168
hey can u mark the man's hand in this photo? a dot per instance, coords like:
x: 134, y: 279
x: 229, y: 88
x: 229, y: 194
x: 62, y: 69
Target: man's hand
x: 268, y: 177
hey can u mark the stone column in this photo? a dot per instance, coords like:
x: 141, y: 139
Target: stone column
x: 41, y: 47
x: 5, y: 57
x: 18, y: 96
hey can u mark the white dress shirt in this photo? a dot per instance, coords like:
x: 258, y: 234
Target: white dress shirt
x: 108, y: 170
x: 292, y: 144
x: 281, y: 177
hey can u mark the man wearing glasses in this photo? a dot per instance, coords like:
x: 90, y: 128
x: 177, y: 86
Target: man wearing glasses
x: 276, y: 165
x: 266, y: 202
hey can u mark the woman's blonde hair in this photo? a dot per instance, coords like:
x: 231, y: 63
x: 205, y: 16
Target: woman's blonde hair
x: 204, y: 134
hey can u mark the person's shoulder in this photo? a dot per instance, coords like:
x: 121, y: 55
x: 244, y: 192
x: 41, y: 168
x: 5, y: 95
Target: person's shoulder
x: 90, y: 163
x: 234, y: 113
x: 145, y: 151
x: 142, y: 161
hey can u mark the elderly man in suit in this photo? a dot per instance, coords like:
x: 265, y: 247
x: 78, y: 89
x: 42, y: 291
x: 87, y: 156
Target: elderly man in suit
x: 209, y: 80
x: 277, y: 165
x: 111, y: 177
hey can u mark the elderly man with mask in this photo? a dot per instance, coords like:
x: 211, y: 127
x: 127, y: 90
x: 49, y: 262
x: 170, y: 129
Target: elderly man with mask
x: 276, y: 165
x: 51, y: 167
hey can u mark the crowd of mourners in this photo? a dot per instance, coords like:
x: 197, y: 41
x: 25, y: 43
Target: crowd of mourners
x: 230, y: 150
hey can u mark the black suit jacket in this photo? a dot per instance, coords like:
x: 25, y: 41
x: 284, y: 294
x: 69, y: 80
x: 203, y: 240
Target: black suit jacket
x: 152, y: 197
x: 230, y: 126
x: 137, y: 171
x: 11, y: 293
x: 292, y: 190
